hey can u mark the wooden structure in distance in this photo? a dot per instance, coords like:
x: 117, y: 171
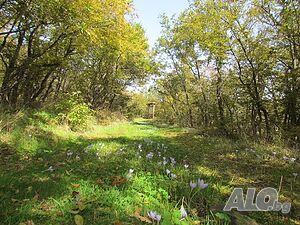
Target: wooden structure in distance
x: 151, y: 110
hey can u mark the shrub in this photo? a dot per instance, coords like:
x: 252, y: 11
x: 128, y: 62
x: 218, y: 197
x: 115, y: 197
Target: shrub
x: 73, y: 111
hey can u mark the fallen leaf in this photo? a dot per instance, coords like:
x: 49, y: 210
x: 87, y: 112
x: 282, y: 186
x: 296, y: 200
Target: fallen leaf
x: 78, y: 220
x: 60, y: 164
x: 75, y: 193
x: 119, y: 181
x: 45, y: 207
x: 76, y: 185
x: 137, y: 214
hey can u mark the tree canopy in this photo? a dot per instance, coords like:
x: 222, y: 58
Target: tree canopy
x: 52, y: 47
x: 233, y: 65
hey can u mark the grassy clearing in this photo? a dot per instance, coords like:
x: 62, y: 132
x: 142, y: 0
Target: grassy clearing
x: 49, y: 174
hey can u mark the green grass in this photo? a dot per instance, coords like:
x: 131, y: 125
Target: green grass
x: 90, y: 174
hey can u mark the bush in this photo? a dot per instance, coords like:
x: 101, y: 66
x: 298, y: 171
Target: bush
x: 73, y: 111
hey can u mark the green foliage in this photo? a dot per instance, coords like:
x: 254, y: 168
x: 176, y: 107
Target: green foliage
x: 230, y: 70
x: 73, y: 111
x: 58, y: 46
x: 136, y: 106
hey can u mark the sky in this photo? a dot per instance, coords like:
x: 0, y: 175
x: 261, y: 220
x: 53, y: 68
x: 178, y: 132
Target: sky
x: 149, y: 11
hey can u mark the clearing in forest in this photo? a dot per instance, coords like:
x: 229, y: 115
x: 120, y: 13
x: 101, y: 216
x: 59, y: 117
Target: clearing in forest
x: 135, y: 172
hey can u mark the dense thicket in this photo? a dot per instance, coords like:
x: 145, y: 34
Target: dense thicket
x: 234, y: 66
x: 52, y: 47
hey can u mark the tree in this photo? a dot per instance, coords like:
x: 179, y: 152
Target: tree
x: 246, y: 50
x: 42, y: 40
